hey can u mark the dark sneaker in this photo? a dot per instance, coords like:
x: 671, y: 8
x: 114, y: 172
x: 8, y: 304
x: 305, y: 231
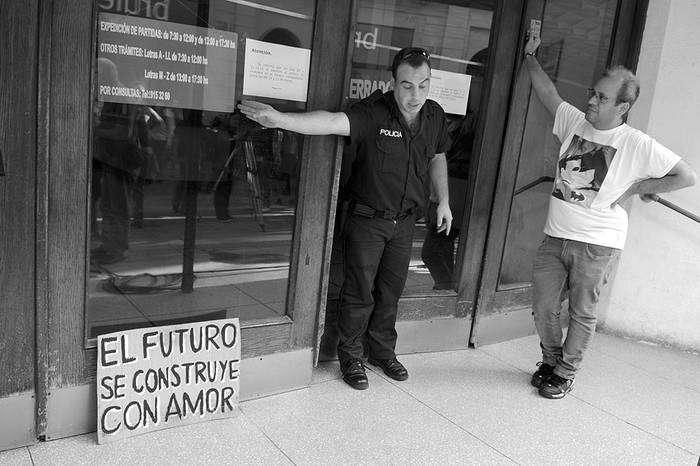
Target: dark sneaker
x: 391, y: 367
x: 354, y: 374
x: 225, y: 218
x: 556, y: 387
x: 544, y: 371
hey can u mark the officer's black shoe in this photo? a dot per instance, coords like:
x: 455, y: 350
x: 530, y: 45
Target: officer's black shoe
x: 391, y: 367
x: 354, y: 374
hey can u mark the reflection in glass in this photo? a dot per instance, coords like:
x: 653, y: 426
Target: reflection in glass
x: 192, y: 205
x: 573, y: 53
x: 438, y: 251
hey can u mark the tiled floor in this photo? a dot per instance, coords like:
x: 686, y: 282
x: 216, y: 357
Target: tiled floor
x: 633, y: 404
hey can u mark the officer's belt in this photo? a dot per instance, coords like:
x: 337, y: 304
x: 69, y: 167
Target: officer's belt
x: 358, y: 208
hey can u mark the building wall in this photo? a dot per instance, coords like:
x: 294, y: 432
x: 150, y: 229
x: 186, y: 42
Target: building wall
x: 656, y: 292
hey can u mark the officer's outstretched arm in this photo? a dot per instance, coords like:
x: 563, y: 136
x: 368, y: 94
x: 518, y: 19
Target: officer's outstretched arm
x: 438, y: 179
x: 543, y: 86
x: 317, y: 122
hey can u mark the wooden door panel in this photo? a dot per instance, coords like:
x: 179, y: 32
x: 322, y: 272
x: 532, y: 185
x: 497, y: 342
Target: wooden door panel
x: 18, y: 69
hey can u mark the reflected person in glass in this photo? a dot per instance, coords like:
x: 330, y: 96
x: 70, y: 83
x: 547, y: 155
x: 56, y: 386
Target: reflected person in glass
x: 115, y: 158
x: 438, y: 250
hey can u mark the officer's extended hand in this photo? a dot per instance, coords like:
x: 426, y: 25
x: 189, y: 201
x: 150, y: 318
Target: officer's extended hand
x: 260, y: 113
x: 444, y: 218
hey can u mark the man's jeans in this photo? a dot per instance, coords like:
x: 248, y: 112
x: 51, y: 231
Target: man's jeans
x: 582, y: 269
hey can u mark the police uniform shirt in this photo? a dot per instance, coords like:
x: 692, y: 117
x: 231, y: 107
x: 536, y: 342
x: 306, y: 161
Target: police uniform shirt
x: 390, y: 169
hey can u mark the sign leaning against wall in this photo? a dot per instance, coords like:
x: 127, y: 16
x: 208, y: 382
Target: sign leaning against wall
x: 155, y: 378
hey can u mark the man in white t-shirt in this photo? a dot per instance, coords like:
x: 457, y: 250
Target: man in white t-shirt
x: 602, y: 162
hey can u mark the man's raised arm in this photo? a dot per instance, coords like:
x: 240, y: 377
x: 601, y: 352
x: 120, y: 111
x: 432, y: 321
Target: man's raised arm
x: 544, y: 87
x: 317, y: 122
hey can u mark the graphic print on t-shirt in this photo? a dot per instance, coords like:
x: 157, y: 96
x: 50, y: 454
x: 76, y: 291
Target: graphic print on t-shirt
x: 581, y: 171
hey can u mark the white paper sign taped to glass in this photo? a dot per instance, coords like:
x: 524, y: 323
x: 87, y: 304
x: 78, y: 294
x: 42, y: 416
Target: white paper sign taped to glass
x: 155, y: 378
x: 277, y: 71
x: 149, y: 62
x: 450, y: 90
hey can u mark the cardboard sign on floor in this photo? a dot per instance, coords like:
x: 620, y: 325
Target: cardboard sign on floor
x: 155, y: 378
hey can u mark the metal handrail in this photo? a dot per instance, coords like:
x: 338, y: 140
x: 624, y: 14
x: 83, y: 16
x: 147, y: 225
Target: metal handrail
x: 541, y: 179
x: 653, y: 197
x: 673, y: 206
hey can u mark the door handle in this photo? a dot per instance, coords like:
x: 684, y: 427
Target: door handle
x: 2, y: 166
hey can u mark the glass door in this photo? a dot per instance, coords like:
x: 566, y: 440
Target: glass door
x: 164, y: 205
x: 457, y: 34
x: 578, y: 43
x: 472, y: 44
x: 193, y: 205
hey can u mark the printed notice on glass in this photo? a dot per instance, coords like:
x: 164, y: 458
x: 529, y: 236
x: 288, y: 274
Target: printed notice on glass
x: 450, y: 90
x: 154, y: 378
x: 148, y: 62
x: 276, y: 71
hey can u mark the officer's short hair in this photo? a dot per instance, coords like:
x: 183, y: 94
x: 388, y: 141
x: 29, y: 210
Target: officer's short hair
x: 414, y: 56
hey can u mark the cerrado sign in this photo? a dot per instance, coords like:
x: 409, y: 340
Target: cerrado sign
x: 159, y: 377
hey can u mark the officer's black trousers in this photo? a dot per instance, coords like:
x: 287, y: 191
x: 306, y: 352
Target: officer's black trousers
x: 377, y: 252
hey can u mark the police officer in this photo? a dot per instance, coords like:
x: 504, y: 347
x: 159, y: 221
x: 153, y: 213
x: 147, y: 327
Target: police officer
x: 399, y: 140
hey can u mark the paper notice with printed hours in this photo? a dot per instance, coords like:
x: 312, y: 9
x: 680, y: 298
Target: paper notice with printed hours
x: 142, y: 61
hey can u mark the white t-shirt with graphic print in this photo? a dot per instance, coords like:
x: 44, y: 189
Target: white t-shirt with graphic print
x: 595, y: 168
